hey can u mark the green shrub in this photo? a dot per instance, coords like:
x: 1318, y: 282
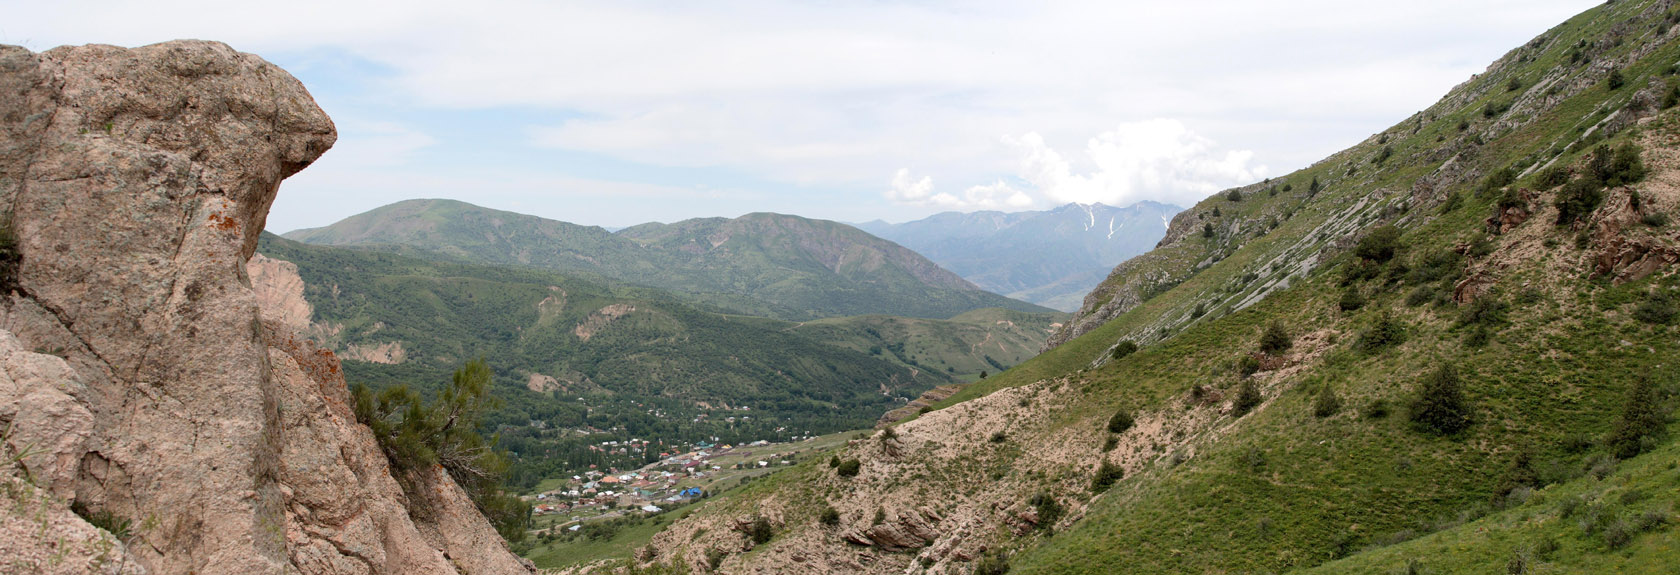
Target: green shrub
x: 1421, y: 295
x: 1248, y: 365
x: 415, y: 435
x: 1351, y: 300
x: 1654, y: 219
x: 1615, y: 81
x: 1658, y: 308
x: 1578, y: 198
x: 848, y: 468
x: 1107, y: 475
x: 1440, y: 265
x: 760, y: 531
x: 1248, y: 398
x: 1617, y: 166
x: 1124, y: 348
x: 833, y: 461
x: 1110, y: 443
x: 117, y: 525
x: 1234, y: 195
x: 1289, y: 187
x: 991, y: 564
x: 999, y: 437
x: 1440, y: 406
x: 1207, y: 230
x: 1377, y: 409
x: 1551, y: 177
x: 1385, y: 332
x: 1049, y: 509
x: 1487, y: 311
x: 1497, y: 180
x: 1327, y: 403
x: 1120, y: 422
x: 1380, y: 245
x: 1640, y: 422
x: 1314, y: 187
x: 1276, y: 339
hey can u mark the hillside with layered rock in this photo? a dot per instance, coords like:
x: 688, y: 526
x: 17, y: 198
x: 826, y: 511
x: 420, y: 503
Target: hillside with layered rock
x: 1051, y: 258
x: 763, y: 264
x: 1446, y: 349
x: 152, y: 418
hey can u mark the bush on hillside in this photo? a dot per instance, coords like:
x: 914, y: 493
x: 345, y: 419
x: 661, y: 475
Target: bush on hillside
x: 1049, y: 509
x: 1440, y: 406
x: 1107, y: 475
x: 1383, y: 155
x: 1124, y: 348
x: 848, y: 468
x: 829, y: 516
x: 1207, y: 230
x: 1327, y: 403
x: 991, y: 564
x: 760, y: 531
x: 415, y: 435
x: 1276, y: 339
x: 1385, y: 332
x: 1314, y: 187
x: 1658, y: 309
x: 1485, y: 311
x: 1551, y: 177
x: 1351, y: 300
x: 1640, y: 422
x: 1380, y: 245
x: 1234, y: 195
x: 1120, y: 422
x: 1248, y: 398
x: 1248, y: 365
x: 1615, y: 81
x: 1617, y: 166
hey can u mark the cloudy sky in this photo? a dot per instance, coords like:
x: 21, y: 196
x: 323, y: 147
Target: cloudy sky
x: 620, y: 112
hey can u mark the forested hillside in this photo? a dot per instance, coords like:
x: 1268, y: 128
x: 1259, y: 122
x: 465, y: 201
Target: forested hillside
x: 620, y: 362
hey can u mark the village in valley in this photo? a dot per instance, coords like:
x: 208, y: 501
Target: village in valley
x: 706, y: 469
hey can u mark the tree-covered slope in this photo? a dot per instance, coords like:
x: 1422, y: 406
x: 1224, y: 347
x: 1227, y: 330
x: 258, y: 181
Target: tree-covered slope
x: 762, y: 264
x: 575, y: 353
x: 1452, y: 344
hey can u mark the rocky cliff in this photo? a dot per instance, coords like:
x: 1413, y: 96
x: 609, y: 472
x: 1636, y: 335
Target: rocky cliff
x: 195, y: 436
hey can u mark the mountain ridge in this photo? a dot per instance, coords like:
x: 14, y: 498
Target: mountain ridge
x: 1049, y: 257
x: 824, y: 269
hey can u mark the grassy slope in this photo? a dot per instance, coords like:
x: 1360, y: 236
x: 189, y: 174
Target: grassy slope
x: 1280, y: 488
x: 1330, y: 485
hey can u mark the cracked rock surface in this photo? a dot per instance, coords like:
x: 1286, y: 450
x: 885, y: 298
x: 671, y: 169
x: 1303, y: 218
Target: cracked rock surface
x: 137, y: 182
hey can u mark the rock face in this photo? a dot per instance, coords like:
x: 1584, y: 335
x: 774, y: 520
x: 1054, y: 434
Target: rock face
x: 136, y: 182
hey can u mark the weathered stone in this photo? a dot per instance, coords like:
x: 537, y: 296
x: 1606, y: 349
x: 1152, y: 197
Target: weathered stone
x: 137, y: 182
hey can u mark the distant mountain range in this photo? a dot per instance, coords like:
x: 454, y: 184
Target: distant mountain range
x: 1051, y: 258
x: 773, y: 265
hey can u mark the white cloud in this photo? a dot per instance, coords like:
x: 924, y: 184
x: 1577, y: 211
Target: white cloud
x: 1161, y: 160
x: 843, y: 94
x: 1151, y: 160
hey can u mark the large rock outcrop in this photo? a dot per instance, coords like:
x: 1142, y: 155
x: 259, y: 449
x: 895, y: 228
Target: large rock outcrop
x: 136, y: 182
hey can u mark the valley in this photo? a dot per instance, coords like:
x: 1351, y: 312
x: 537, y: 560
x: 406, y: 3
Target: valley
x: 582, y: 361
